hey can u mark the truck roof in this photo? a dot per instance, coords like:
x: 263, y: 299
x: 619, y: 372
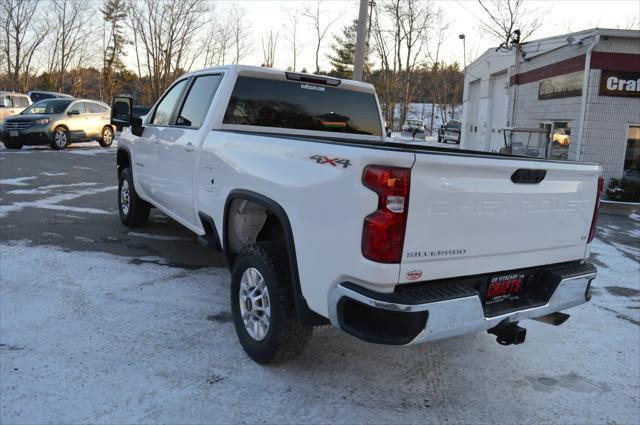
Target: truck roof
x: 273, y: 73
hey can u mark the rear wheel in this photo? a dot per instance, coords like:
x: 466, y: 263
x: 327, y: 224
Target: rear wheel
x: 134, y: 212
x: 60, y: 138
x: 107, y: 137
x: 10, y: 145
x: 263, y: 307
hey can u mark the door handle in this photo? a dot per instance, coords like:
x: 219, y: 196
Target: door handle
x: 189, y: 147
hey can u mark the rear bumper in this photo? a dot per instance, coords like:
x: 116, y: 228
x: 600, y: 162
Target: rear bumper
x: 447, y: 311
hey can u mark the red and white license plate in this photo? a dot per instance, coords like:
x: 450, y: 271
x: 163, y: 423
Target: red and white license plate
x: 504, y: 288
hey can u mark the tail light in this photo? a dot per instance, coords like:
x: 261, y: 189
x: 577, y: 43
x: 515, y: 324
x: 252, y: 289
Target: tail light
x: 383, y: 233
x: 596, y: 210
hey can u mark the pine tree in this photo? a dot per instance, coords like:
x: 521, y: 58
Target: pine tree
x: 344, y: 48
x: 114, y: 13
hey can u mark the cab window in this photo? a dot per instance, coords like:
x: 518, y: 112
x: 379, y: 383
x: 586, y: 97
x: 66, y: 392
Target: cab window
x: 197, y: 103
x: 164, y: 110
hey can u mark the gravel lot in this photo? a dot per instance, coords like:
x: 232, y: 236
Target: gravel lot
x: 102, y: 324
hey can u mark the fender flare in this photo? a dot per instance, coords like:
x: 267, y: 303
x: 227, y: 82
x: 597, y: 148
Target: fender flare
x: 303, y: 312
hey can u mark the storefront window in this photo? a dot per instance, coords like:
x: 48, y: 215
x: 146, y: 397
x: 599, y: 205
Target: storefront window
x: 632, y: 156
x: 561, y: 139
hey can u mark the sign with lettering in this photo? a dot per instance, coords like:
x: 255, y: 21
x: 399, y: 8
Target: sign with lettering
x: 619, y: 83
x: 566, y: 85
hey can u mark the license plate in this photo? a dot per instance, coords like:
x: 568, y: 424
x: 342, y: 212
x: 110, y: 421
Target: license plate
x: 451, y: 135
x: 505, y: 288
x: 14, y: 133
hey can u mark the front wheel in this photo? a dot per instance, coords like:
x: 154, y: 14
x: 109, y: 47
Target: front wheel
x: 263, y: 307
x: 107, y: 137
x: 60, y: 139
x: 134, y: 212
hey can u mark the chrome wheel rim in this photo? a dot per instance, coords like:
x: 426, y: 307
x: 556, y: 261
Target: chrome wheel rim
x: 107, y: 137
x: 61, y: 138
x: 124, y: 197
x: 255, y: 306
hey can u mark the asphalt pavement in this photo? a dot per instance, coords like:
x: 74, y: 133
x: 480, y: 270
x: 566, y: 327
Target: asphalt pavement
x: 104, y: 324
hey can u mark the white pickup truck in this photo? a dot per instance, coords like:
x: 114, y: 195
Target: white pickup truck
x: 322, y: 220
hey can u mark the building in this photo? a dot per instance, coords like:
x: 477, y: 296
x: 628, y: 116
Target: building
x: 582, y: 88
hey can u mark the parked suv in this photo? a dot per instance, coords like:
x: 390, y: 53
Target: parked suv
x: 450, y: 132
x: 37, y: 95
x: 12, y: 103
x: 58, y: 122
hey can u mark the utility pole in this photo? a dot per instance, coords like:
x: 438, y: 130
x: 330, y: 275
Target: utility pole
x: 358, y: 62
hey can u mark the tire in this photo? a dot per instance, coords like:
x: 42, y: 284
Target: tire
x: 61, y: 138
x: 133, y: 211
x: 10, y: 145
x: 107, y: 137
x: 284, y: 337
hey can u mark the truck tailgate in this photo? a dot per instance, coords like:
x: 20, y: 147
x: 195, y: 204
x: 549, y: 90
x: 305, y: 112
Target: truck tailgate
x: 467, y: 216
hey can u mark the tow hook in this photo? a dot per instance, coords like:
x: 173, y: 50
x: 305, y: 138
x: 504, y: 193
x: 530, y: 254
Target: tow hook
x: 507, y: 334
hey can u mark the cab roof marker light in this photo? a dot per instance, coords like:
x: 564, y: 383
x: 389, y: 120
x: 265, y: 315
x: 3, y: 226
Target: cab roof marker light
x: 294, y: 76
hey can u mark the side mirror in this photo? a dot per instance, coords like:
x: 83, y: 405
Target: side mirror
x: 121, y: 111
x: 122, y: 115
x: 73, y: 112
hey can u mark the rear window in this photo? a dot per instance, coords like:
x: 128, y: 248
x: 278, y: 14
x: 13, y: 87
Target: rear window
x: 35, y: 97
x: 302, y: 106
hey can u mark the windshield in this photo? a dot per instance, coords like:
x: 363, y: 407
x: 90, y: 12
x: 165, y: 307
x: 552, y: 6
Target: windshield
x: 414, y: 122
x: 47, y: 107
x: 453, y: 125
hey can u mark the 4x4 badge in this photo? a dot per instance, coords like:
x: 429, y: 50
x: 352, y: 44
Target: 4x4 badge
x: 320, y: 159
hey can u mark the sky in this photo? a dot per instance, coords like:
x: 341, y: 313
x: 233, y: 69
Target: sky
x: 463, y: 16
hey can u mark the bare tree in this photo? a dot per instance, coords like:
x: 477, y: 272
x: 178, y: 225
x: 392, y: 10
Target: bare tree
x: 320, y: 26
x: 22, y: 33
x: 506, y: 16
x: 269, y: 44
x: 240, y: 40
x: 164, y: 38
x: 71, y: 18
x: 292, y: 35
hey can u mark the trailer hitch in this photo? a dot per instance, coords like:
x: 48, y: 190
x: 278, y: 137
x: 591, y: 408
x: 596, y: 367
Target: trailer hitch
x: 509, y: 333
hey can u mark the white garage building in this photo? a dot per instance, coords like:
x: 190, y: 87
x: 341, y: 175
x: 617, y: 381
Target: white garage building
x: 582, y: 88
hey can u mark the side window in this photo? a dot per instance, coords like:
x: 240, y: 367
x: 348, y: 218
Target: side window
x: 5, y: 102
x: 78, y: 106
x: 197, y: 103
x: 92, y: 108
x: 103, y: 109
x: 20, y: 101
x: 162, y: 115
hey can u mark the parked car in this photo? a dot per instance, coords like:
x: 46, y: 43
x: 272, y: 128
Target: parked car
x: 413, y: 129
x: 450, y: 132
x: 292, y: 177
x: 38, y: 95
x: 12, y: 103
x: 58, y: 122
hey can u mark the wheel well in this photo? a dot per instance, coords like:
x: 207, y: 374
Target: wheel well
x: 61, y: 125
x: 249, y: 222
x: 123, y: 161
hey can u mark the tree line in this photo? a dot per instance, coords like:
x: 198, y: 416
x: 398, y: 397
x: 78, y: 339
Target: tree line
x: 78, y: 47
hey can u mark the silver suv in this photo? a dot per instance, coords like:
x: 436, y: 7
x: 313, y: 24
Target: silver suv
x: 58, y: 122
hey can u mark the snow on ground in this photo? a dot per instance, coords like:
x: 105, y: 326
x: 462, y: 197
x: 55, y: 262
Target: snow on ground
x: 94, y: 337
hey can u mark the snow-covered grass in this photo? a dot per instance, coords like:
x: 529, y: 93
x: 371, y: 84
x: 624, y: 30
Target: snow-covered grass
x: 89, y: 337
